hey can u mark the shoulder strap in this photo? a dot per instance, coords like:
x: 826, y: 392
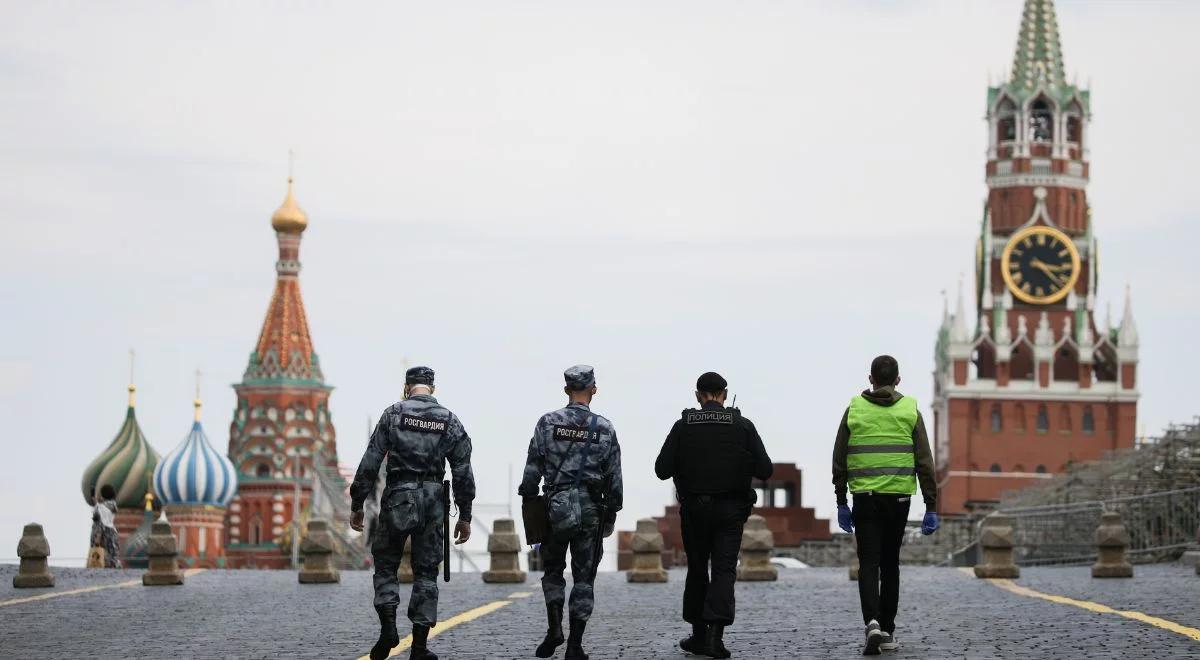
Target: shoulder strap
x: 587, y: 446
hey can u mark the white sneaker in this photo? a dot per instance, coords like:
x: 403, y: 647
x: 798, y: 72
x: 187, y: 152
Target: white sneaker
x: 889, y: 643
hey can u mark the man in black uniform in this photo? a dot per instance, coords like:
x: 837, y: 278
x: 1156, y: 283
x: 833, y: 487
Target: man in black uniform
x: 712, y: 453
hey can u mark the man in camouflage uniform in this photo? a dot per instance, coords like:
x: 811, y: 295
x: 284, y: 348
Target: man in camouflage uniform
x: 576, y: 452
x: 418, y: 436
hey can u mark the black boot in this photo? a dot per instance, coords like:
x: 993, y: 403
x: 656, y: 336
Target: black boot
x: 388, y: 637
x: 554, y: 633
x: 716, y: 647
x: 420, y: 647
x: 575, y: 641
x: 696, y: 644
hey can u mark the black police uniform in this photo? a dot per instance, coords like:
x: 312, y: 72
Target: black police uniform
x: 712, y: 453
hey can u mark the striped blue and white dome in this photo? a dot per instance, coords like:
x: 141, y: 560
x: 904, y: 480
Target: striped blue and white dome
x: 195, y: 473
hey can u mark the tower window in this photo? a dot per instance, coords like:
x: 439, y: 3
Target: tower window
x: 263, y: 471
x: 1089, y: 420
x: 1019, y: 416
x: 1006, y: 123
x: 995, y: 467
x: 997, y: 419
x: 1041, y: 121
x: 1041, y: 469
x: 1074, y: 129
x: 1043, y: 420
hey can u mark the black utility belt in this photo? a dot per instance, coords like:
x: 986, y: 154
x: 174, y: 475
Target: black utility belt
x: 871, y: 493
x: 740, y: 496
x: 589, y: 486
x: 395, y: 477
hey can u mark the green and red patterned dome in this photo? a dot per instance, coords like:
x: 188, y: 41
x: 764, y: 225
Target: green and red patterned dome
x: 127, y: 464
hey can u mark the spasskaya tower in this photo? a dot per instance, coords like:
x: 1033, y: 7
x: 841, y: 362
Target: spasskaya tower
x: 1027, y: 382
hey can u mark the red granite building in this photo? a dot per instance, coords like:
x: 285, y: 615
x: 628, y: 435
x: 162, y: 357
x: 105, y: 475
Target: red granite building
x: 1037, y: 384
x: 778, y: 502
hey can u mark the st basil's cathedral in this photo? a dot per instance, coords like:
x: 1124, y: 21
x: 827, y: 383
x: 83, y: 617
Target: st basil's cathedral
x: 236, y: 509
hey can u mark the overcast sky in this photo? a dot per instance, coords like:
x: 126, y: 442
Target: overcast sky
x: 777, y: 191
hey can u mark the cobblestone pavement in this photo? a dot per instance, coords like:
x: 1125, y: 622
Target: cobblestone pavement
x: 809, y: 613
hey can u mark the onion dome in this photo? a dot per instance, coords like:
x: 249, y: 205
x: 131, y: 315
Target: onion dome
x: 289, y: 217
x: 194, y: 472
x: 126, y: 464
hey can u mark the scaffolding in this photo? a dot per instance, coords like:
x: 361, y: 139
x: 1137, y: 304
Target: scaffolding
x: 1155, y: 486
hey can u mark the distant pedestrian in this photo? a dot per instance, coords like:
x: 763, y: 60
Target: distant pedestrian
x: 880, y: 452
x: 712, y: 453
x: 104, y: 532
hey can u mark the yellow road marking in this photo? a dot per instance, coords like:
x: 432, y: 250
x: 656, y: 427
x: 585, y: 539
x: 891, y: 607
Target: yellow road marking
x: 520, y: 594
x: 1098, y: 608
x: 443, y: 626
x: 84, y: 590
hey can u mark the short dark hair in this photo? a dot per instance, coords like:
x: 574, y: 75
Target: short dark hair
x: 107, y: 492
x: 885, y: 370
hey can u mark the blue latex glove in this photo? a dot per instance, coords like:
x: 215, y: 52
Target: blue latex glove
x: 845, y: 519
x: 930, y: 524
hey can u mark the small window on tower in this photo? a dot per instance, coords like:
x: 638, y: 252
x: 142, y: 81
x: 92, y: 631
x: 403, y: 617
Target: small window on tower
x: 997, y: 419
x: 1006, y: 121
x: 1089, y: 420
x: 1041, y: 121
x: 995, y: 467
x: 263, y: 471
x: 1074, y: 129
x: 1043, y: 419
x: 1041, y: 469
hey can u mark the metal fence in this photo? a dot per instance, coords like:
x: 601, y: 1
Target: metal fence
x: 1160, y: 525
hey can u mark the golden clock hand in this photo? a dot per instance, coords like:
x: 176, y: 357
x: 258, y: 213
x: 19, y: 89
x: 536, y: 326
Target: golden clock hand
x: 1038, y: 264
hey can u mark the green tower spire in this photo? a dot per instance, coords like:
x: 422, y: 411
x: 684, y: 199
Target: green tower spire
x: 1039, y: 59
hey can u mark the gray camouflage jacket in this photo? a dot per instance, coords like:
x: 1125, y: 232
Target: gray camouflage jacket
x: 556, y: 454
x: 418, y: 436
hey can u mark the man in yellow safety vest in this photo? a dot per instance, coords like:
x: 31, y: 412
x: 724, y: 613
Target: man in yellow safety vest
x: 880, y: 453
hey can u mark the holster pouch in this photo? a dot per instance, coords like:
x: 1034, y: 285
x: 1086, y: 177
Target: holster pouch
x: 566, y: 514
x: 536, y: 517
x: 404, y: 510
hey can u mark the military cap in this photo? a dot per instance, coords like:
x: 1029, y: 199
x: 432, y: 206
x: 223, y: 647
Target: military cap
x: 419, y: 376
x: 580, y: 377
x: 711, y: 382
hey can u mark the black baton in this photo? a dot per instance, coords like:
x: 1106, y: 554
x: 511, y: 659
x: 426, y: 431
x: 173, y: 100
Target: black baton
x: 446, y: 531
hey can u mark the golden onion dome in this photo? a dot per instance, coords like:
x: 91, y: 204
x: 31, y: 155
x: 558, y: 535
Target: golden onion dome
x: 288, y: 217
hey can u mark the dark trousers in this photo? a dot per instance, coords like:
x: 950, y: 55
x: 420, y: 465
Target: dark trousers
x: 879, y: 522
x: 712, y: 533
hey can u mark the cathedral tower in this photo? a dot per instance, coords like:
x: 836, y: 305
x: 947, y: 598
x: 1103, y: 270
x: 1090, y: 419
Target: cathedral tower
x: 281, y: 430
x: 1038, y: 384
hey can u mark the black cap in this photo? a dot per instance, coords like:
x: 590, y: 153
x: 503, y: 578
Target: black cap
x: 711, y: 382
x: 419, y: 376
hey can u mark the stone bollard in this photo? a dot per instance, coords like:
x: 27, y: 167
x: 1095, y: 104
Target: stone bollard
x: 163, y: 554
x: 647, y: 546
x: 1111, y: 541
x: 996, y: 542
x: 404, y: 574
x: 504, y: 545
x: 33, y: 549
x: 317, y: 548
x: 757, y: 544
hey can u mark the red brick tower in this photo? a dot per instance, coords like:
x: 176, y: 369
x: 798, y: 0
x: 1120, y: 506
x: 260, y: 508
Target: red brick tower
x: 1038, y: 385
x: 282, y: 418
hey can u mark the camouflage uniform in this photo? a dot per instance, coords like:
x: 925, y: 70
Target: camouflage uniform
x: 418, y: 436
x: 556, y: 454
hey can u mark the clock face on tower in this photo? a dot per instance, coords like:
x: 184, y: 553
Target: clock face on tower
x: 1040, y: 265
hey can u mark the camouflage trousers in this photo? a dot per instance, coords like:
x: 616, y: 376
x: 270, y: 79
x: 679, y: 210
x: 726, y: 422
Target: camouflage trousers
x: 584, y: 559
x: 414, y: 513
